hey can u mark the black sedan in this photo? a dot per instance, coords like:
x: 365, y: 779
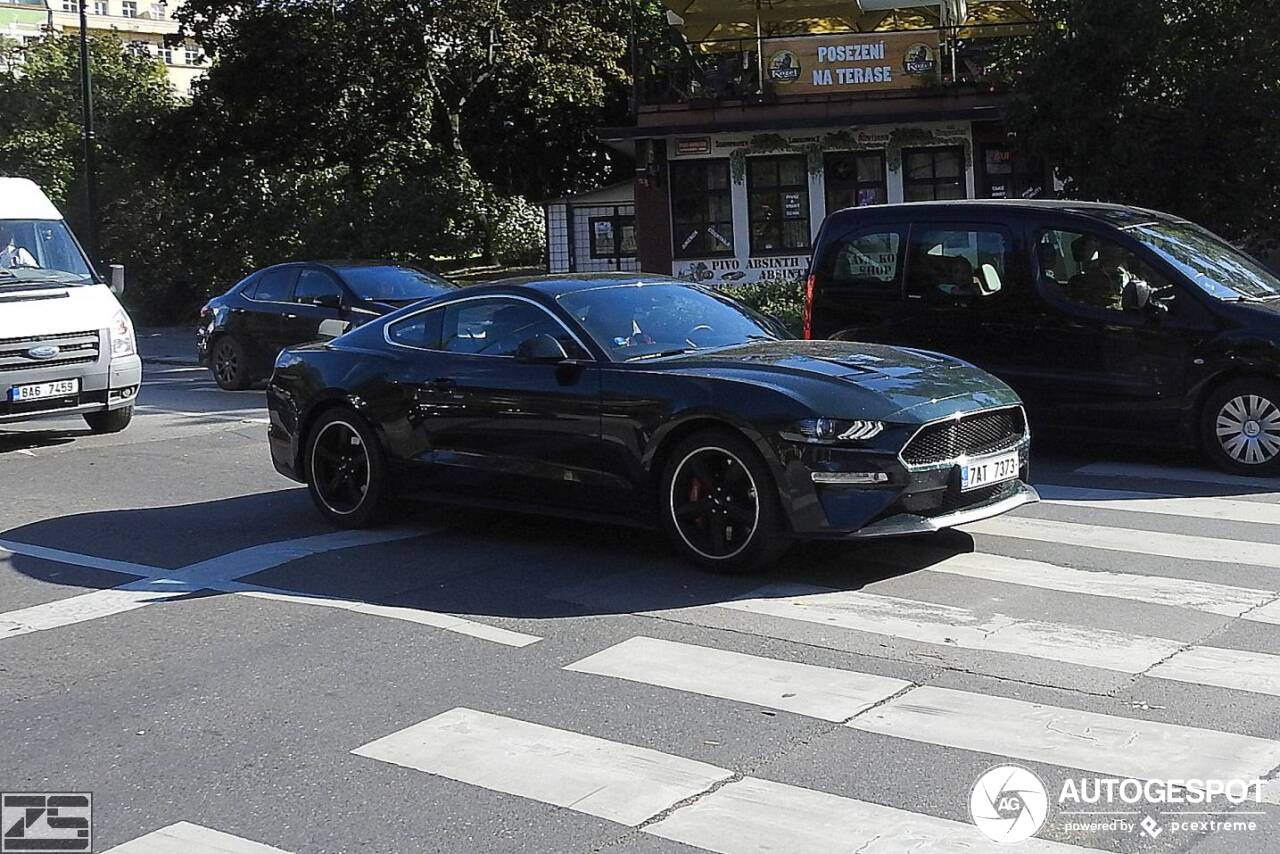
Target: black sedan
x: 241, y: 331
x: 644, y: 399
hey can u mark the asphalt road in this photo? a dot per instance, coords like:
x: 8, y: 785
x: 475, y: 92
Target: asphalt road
x: 181, y: 636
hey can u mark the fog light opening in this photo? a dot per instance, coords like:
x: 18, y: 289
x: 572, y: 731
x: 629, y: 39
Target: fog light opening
x: 850, y: 478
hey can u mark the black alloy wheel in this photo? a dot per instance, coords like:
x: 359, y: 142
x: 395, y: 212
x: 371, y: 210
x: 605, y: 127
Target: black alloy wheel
x: 720, y: 504
x: 346, y: 472
x: 230, y: 370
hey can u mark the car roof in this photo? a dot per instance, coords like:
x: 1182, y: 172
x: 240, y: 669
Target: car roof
x: 1112, y: 214
x: 556, y: 286
x: 20, y: 198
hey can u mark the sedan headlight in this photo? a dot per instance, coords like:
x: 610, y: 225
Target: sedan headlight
x: 122, y: 340
x: 824, y: 430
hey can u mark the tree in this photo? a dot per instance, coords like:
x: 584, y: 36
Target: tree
x: 1174, y: 106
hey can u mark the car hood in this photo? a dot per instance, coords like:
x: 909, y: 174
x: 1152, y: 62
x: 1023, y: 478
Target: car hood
x: 55, y: 310
x: 849, y: 379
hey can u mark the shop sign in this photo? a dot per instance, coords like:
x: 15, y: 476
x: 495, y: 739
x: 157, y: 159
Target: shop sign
x: 848, y: 63
x: 688, y: 147
x: 734, y: 271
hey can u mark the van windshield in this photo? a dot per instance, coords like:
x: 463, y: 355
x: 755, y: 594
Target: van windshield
x: 1215, y: 266
x: 40, y: 251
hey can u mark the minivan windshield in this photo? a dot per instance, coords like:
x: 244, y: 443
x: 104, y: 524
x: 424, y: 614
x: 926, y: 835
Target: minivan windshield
x: 1215, y: 266
x: 40, y: 251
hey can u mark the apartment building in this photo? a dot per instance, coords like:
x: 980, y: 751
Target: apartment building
x: 142, y: 25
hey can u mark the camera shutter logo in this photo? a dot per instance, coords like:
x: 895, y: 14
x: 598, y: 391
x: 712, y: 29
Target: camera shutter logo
x: 1009, y: 804
x: 45, y: 821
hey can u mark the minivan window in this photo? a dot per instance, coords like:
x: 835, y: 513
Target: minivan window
x: 1091, y: 271
x: 1216, y: 267
x: 40, y: 251
x: 868, y: 261
x: 958, y: 261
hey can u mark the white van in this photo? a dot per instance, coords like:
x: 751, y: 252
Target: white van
x: 66, y: 344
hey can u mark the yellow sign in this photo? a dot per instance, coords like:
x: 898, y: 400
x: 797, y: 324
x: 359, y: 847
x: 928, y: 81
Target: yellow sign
x: 851, y: 63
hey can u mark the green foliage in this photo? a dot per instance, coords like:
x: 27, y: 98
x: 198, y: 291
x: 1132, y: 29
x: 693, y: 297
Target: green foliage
x: 779, y: 298
x: 520, y: 235
x: 1174, y: 106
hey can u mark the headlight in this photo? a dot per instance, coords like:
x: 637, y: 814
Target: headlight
x: 823, y: 430
x: 122, y: 341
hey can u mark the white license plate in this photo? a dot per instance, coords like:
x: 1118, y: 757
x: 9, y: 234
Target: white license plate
x: 44, y: 391
x: 988, y: 470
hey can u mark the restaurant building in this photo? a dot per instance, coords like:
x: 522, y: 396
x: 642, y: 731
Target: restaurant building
x: 763, y: 116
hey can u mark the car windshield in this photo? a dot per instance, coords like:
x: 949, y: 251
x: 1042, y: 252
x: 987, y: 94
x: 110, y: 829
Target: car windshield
x: 1216, y: 267
x: 633, y: 322
x: 393, y: 283
x: 36, y: 251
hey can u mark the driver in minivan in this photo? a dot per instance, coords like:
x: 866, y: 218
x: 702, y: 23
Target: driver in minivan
x: 1103, y: 275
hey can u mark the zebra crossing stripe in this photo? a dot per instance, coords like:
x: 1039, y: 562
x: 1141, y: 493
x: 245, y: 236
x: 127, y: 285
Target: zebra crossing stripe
x: 1176, y: 546
x: 959, y: 628
x: 1106, y: 744
x: 817, y: 692
x: 1225, y: 668
x: 1209, y: 597
x: 1148, y: 471
x: 603, y: 778
x: 1220, y: 509
x: 192, y: 839
x: 753, y: 815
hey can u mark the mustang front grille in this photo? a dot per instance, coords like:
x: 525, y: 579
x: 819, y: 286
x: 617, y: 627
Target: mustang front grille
x: 973, y: 435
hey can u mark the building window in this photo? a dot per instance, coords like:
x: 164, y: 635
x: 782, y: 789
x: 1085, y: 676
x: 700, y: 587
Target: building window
x: 166, y: 53
x: 701, y: 208
x: 932, y: 174
x: 855, y: 179
x: 613, y: 237
x: 138, y: 49
x: 100, y: 7
x: 778, y: 202
x: 192, y: 55
x: 129, y: 9
x: 157, y: 11
x: 70, y: 6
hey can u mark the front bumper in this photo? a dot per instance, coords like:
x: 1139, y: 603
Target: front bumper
x: 104, y: 385
x: 903, y: 524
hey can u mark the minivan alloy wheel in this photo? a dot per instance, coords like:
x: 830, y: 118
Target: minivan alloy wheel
x: 1248, y: 429
x: 714, y: 503
x: 340, y: 467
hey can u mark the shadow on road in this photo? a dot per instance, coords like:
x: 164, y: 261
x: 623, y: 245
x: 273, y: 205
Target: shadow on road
x: 26, y: 440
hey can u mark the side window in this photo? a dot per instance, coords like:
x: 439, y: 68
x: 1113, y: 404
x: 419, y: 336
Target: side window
x: 1092, y: 271
x: 495, y: 327
x: 960, y: 262
x: 421, y: 330
x: 274, y: 285
x: 869, y: 261
x: 313, y: 284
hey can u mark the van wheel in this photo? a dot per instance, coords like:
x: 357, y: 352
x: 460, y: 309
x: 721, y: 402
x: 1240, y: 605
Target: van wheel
x: 112, y: 421
x: 1240, y: 427
x: 229, y: 364
x: 719, y: 504
x: 346, y: 470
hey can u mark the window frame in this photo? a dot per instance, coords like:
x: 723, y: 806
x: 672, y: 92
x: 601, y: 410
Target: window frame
x: 892, y: 290
x: 857, y: 184
x: 386, y: 329
x: 777, y: 191
x: 343, y: 293
x: 617, y: 221
x: 1014, y: 259
x: 934, y: 181
x: 129, y: 9
x: 705, y: 223
x: 251, y: 292
x: 1058, y: 299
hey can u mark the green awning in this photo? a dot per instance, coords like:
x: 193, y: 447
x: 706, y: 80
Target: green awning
x: 31, y: 17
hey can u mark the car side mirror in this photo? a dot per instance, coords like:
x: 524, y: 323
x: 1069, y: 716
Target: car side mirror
x: 327, y: 301
x: 117, y: 279
x: 541, y: 348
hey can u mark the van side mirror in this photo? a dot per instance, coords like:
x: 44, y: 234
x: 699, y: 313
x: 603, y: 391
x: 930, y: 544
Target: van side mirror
x: 541, y: 348
x: 117, y: 279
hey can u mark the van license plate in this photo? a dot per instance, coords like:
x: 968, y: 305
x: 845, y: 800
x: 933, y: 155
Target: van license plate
x: 988, y: 470
x: 43, y: 391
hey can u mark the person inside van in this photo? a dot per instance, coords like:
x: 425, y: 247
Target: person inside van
x: 12, y: 255
x: 1103, y: 272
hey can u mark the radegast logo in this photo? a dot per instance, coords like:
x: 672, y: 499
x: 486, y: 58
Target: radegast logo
x: 1009, y: 804
x: 920, y: 59
x: 45, y: 821
x: 784, y: 67
x: 44, y: 351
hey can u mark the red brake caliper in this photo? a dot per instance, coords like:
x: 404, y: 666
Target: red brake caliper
x: 696, y: 490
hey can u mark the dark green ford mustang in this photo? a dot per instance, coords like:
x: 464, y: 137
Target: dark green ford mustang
x: 650, y: 401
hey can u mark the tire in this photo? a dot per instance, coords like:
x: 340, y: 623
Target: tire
x: 1240, y: 427
x: 229, y: 365
x: 714, y: 484
x: 346, y: 470
x: 111, y: 421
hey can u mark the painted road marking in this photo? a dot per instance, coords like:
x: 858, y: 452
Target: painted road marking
x: 818, y: 692
x: 1147, y: 471
x: 1177, y: 546
x: 75, y: 559
x: 192, y: 839
x: 1220, y: 509
x: 1225, y: 668
x: 603, y: 778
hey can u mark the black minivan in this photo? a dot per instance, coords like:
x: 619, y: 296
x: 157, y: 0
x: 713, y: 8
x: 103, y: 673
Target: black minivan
x: 1126, y: 323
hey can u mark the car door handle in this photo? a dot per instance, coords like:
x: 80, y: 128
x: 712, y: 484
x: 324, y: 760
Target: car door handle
x: 291, y: 317
x: 438, y: 386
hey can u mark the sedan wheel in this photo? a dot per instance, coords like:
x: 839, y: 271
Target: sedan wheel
x: 229, y: 368
x: 720, y: 505
x: 1242, y: 427
x: 346, y: 473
